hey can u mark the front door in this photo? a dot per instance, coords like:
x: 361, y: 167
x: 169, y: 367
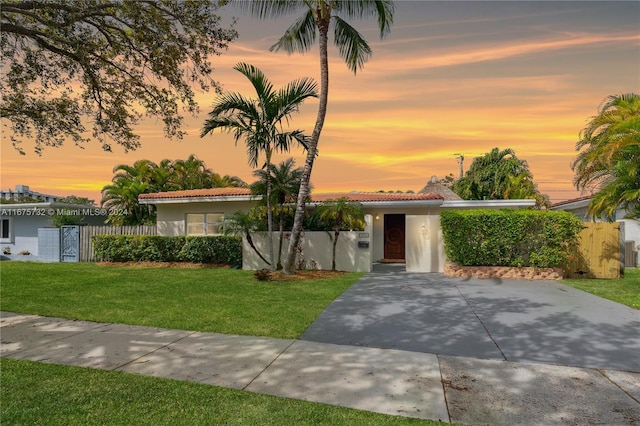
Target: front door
x: 394, y: 237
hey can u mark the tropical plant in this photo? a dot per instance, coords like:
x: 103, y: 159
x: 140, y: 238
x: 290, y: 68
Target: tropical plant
x: 145, y: 176
x: 260, y: 121
x: 609, y: 155
x: 498, y: 175
x: 317, y: 18
x: 103, y: 62
x: 244, y: 224
x: 285, y: 184
x: 342, y: 214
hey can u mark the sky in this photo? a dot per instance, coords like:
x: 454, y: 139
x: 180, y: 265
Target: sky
x: 450, y: 78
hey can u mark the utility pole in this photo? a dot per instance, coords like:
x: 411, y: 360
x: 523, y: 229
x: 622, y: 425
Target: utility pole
x: 460, y: 158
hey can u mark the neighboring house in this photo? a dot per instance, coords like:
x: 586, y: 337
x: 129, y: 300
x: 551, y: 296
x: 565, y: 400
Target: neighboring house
x: 579, y: 207
x: 400, y: 227
x: 20, y: 223
x: 24, y: 191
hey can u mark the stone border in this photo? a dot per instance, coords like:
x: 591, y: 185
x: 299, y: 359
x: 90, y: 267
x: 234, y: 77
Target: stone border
x: 505, y: 272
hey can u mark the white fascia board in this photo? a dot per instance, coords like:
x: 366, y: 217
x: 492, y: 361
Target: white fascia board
x: 184, y: 200
x: 456, y: 204
x: 393, y: 204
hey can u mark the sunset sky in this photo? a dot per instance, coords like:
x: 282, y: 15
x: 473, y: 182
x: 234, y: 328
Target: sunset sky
x: 451, y: 77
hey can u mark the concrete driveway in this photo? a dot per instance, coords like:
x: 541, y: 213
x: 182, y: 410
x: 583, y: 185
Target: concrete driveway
x: 523, y: 321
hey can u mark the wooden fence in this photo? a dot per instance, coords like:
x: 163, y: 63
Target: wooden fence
x: 86, y: 232
x: 598, y: 252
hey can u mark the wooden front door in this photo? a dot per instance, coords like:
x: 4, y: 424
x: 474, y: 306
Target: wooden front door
x: 394, y: 237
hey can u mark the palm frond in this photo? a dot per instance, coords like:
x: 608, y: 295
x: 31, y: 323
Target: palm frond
x: 300, y: 36
x: 383, y: 9
x: 269, y: 8
x: 353, y: 48
x: 260, y: 82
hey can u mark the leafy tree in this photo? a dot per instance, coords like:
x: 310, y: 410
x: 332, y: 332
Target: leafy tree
x: 498, y: 175
x: 227, y: 181
x: 79, y: 201
x: 342, y: 214
x: 191, y: 173
x: 285, y: 183
x: 104, y: 61
x: 122, y: 196
x: 609, y: 155
x: 318, y: 16
x: 260, y: 121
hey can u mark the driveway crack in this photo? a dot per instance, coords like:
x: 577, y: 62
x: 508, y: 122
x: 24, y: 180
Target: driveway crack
x: 482, y: 323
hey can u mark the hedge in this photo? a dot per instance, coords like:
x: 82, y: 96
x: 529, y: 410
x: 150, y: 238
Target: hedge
x: 152, y: 248
x: 519, y: 238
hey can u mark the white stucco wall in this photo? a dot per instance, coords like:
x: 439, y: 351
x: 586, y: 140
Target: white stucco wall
x: 171, y: 217
x: 24, y: 233
x: 317, y: 250
x: 424, y: 247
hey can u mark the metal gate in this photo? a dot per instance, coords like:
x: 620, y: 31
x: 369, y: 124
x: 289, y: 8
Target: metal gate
x: 70, y: 244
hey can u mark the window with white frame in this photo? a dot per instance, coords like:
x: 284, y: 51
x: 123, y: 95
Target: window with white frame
x: 205, y: 223
x: 6, y: 234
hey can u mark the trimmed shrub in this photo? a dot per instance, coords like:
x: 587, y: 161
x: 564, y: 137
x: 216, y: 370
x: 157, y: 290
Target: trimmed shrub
x: 541, y: 239
x: 153, y: 248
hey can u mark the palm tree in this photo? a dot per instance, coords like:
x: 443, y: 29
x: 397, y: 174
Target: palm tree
x: 315, y: 22
x: 191, y: 173
x: 260, y: 121
x: 609, y: 154
x: 342, y: 214
x: 244, y: 224
x: 227, y: 181
x: 285, y: 184
x: 122, y: 195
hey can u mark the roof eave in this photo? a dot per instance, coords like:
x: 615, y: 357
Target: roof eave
x: 488, y: 203
x: 392, y: 203
x: 182, y: 200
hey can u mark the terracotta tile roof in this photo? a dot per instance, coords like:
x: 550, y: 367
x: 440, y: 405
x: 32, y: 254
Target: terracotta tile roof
x: 364, y: 197
x: 575, y: 200
x: 197, y: 193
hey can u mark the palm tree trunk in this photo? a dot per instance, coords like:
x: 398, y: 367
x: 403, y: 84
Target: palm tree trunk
x: 289, y: 265
x: 335, y: 243
x: 269, y: 214
x: 279, y: 264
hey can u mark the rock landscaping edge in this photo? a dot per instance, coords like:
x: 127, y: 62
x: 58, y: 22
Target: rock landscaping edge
x: 505, y: 272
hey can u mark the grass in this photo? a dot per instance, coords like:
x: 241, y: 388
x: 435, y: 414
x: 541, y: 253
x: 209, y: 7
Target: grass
x: 624, y: 290
x: 204, y: 299
x: 45, y: 394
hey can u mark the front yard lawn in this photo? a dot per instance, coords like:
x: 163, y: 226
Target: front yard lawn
x: 624, y: 290
x: 199, y: 299
x: 45, y: 394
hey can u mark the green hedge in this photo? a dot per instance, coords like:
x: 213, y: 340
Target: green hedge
x: 509, y: 237
x: 151, y: 248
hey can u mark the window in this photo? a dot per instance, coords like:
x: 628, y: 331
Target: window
x: 205, y: 223
x: 6, y: 231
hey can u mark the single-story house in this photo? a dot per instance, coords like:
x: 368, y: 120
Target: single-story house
x: 400, y: 227
x: 631, y: 227
x: 20, y: 223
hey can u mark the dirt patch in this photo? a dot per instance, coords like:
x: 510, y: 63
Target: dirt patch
x: 300, y: 275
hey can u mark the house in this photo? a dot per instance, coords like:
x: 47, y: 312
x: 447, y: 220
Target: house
x: 21, y: 224
x: 400, y: 227
x: 630, y: 228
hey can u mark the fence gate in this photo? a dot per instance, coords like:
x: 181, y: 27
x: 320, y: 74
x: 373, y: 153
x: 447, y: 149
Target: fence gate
x: 598, y: 252
x: 70, y: 244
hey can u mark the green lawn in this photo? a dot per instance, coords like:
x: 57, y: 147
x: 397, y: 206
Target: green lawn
x: 624, y: 290
x: 213, y: 300
x: 45, y: 394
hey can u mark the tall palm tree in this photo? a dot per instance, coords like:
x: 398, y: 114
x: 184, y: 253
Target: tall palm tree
x: 316, y: 21
x: 609, y: 151
x: 285, y: 184
x: 260, y: 121
x: 342, y: 214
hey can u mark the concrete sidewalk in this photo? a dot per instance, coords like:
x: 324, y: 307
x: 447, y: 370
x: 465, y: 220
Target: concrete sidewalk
x: 397, y: 382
